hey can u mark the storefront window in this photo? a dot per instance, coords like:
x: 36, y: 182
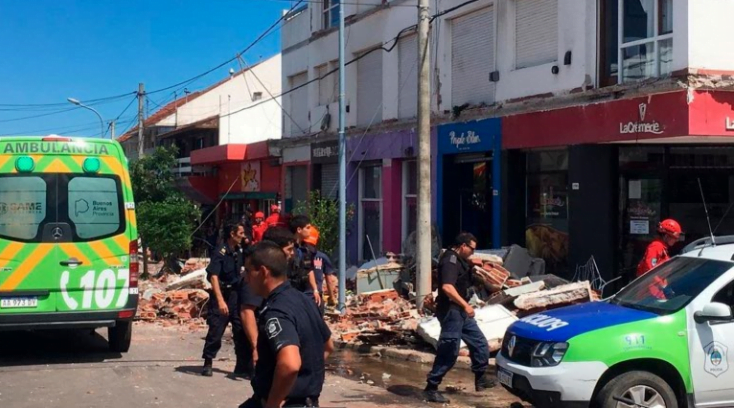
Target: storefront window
x: 664, y: 182
x: 370, y: 215
x: 409, y: 218
x: 547, y: 204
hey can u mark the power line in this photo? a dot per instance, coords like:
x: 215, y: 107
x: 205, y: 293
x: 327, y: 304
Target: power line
x: 260, y: 37
x: 240, y: 60
x: 95, y: 101
x: 321, y: 2
x: 53, y: 129
x: 381, y: 47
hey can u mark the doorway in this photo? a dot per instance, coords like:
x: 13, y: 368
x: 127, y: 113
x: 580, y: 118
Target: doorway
x: 467, y: 197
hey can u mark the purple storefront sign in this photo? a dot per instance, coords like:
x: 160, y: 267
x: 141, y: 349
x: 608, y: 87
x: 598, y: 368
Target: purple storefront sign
x: 388, y: 151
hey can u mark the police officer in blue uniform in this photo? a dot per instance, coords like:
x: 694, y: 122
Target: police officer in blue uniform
x: 302, y: 275
x: 293, y: 340
x: 223, y: 308
x: 456, y: 317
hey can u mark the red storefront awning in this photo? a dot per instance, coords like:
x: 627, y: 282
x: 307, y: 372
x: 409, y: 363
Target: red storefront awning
x: 229, y: 153
x: 698, y: 116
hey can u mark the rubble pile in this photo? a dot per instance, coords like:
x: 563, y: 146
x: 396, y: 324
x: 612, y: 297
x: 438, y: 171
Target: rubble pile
x: 174, y: 297
x: 500, y: 298
x: 178, y: 304
x: 378, y: 317
x: 193, y: 265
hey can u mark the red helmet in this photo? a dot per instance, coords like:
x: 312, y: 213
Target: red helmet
x: 670, y: 227
x: 259, y: 215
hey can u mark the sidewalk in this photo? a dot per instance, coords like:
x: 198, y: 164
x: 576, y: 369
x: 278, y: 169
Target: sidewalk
x: 402, y: 354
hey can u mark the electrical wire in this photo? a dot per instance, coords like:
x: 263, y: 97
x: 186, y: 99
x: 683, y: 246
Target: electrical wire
x: 53, y: 129
x: 257, y: 40
x: 347, y: 3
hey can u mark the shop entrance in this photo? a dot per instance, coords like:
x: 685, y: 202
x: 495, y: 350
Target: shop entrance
x: 467, y: 197
x: 657, y: 182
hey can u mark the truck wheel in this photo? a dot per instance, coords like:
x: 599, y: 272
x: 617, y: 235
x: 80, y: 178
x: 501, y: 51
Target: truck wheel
x: 640, y: 387
x: 120, y: 336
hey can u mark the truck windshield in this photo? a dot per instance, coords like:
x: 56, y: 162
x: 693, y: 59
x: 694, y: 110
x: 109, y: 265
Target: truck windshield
x: 672, y: 285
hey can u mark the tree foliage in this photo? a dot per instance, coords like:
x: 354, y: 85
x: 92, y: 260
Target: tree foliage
x: 167, y: 226
x: 166, y: 219
x: 324, y: 214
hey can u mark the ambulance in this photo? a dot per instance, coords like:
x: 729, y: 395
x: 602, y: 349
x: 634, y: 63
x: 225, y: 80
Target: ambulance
x: 665, y: 340
x: 68, y: 237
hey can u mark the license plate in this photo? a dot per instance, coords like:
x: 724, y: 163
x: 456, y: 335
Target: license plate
x: 505, y: 377
x: 29, y: 301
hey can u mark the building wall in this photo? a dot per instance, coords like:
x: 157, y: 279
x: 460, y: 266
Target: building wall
x: 241, y: 118
x: 711, y: 38
x: 575, y: 19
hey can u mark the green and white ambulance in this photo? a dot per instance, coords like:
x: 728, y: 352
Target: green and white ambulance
x: 665, y: 340
x: 68, y: 237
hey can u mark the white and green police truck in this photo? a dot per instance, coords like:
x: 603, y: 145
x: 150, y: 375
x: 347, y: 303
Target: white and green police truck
x: 665, y: 340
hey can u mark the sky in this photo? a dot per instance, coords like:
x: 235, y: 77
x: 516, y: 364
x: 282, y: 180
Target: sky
x: 92, y: 49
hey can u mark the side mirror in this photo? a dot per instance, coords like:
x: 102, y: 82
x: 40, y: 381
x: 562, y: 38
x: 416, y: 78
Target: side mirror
x: 714, y: 312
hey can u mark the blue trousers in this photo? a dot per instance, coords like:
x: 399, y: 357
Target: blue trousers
x: 456, y: 327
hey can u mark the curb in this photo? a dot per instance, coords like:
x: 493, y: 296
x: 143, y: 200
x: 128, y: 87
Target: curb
x: 401, y: 354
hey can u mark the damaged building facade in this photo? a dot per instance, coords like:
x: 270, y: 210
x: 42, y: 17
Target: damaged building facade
x: 569, y: 127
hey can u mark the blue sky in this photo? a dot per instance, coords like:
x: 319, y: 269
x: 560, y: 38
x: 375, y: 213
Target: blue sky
x: 86, y: 49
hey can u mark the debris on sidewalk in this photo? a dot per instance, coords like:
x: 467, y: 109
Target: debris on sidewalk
x: 378, y: 317
x: 193, y: 265
x: 493, y: 320
x: 194, y: 280
x: 573, y: 293
x: 178, y: 304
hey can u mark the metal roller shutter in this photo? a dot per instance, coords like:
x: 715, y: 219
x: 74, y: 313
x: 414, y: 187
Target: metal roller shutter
x: 537, y: 32
x: 407, y: 76
x: 330, y: 181
x: 473, y: 57
x: 370, y: 89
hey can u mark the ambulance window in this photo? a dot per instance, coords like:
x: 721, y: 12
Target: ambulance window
x: 94, y: 207
x: 22, y: 206
x: 725, y: 296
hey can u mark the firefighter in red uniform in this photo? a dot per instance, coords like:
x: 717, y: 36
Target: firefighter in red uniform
x: 276, y: 219
x: 657, y: 253
x: 259, y: 227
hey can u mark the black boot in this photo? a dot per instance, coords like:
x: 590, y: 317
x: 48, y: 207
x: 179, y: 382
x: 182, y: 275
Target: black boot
x: 432, y: 394
x: 207, y: 369
x: 482, y: 383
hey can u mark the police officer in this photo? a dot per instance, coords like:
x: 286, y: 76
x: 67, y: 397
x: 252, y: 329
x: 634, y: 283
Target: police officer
x: 223, y: 308
x: 303, y: 277
x: 293, y: 340
x: 456, y: 318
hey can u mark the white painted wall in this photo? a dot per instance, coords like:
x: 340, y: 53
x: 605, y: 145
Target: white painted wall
x: 703, y: 38
x: 711, y: 34
x: 575, y: 19
x: 241, y: 120
x: 296, y: 154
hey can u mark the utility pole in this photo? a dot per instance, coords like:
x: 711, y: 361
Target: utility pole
x: 423, y: 224
x: 342, y: 165
x: 112, y: 130
x: 141, y: 98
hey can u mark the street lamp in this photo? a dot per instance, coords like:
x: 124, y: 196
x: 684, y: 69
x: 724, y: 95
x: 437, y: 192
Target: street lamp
x: 102, y: 122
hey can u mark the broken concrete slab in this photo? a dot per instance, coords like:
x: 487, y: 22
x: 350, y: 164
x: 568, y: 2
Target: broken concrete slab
x: 493, y: 321
x: 194, y: 280
x: 527, y: 288
x: 561, y: 295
